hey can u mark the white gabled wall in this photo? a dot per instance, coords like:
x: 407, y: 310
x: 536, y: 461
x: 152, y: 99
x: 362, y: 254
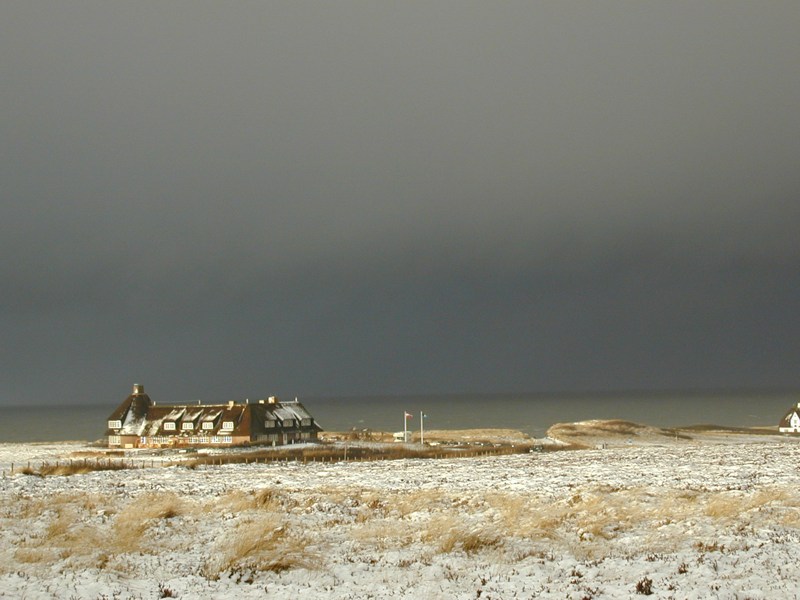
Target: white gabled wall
x: 794, y: 424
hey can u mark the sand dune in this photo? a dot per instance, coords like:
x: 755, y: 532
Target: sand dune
x: 615, y: 432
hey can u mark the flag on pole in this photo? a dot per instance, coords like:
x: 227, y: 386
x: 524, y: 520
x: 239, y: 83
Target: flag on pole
x: 406, y: 416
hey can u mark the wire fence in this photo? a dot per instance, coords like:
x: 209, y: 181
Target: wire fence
x: 339, y: 454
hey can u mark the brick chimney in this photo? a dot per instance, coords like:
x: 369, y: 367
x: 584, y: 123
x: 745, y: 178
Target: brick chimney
x: 140, y: 401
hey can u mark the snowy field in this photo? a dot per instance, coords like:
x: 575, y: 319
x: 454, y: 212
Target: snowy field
x: 678, y: 521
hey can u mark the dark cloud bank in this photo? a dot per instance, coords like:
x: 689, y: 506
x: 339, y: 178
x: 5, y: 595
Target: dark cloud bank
x: 234, y: 199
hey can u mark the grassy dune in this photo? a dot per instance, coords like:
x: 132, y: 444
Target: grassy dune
x: 678, y: 520
x: 266, y: 530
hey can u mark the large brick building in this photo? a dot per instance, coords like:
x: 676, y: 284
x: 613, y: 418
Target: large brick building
x: 139, y: 422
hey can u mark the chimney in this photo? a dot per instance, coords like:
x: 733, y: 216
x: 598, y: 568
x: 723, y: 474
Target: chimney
x: 140, y: 401
x: 272, y: 399
x: 230, y: 403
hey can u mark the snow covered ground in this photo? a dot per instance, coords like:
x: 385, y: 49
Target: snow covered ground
x: 675, y: 521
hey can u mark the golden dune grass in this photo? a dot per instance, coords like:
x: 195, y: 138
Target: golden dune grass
x: 132, y: 522
x: 276, y: 529
x: 266, y: 543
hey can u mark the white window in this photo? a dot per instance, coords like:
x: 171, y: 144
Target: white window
x: 170, y: 426
x: 188, y: 425
x: 114, y: 440
x: 114, y: 424
x: 227, y: 425
x: 208, y: 425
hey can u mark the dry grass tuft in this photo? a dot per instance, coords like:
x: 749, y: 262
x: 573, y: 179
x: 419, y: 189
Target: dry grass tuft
x: 415, y: 501
x: 133, y: 521
x: 475, y: 540
x: 268, y: 499
x: 451, y: 534
x: 726, y: 506
x: 33, y: 555
x: 63, y: 535
x: 467, y: 540
x: 235, y: 501
x: 383, y: 534
x: 265, y: 499
x: 263, y: 544
x: 732, y: 505
x: 60, y: 526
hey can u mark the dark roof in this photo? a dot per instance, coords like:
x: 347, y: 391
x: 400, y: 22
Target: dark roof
x: 787, y: 417
x: 132, y: 408
x: 140, y: 417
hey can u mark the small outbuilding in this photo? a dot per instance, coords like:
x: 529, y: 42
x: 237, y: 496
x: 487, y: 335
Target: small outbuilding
x: 139, y: 423
x: 790, y: 423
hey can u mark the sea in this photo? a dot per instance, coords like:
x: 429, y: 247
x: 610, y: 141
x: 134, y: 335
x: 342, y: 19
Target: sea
x: 530, y: 413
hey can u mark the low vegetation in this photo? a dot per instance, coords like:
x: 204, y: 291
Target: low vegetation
x: 730, y: 429
x: 75, y: 467
x: 592, y: 525
x: 330, y: 452
x: 335, y: 452
x: 277, y: 530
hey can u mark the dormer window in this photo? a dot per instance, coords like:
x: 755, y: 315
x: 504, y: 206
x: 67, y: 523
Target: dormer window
x: 170, y: 426
x: 188, y: 426
x: 114, y: 424
x: 208, y: 425
x: 271, y: 423
x: 227, y: 425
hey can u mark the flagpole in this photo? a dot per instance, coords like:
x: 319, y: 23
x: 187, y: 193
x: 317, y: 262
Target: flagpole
x: 405, y: 427
x: 421, y: 429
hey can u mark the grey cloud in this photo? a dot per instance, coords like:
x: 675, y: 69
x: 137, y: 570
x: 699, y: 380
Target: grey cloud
x: 347, y: 173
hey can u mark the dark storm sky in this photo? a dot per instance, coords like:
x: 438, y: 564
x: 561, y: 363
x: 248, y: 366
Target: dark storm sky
x: 236, y: 199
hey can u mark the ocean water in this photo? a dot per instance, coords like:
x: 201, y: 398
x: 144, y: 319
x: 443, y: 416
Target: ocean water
x: 531, y: 413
